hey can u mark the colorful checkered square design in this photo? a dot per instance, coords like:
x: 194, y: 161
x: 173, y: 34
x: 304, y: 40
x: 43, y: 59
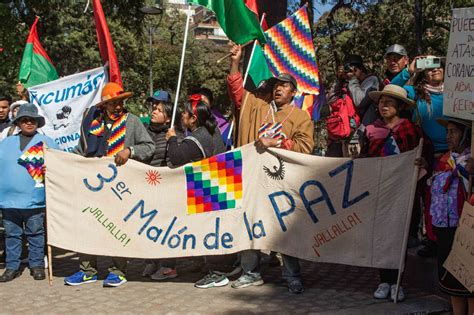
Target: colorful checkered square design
x: 215, y: 184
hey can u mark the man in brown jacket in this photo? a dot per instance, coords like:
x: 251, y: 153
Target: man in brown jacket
x: 278, y: 123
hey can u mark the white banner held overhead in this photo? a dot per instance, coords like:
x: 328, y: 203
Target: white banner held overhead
x: 62, y: 103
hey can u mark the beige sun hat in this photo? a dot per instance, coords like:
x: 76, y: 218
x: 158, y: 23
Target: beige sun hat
x: 394, y: 91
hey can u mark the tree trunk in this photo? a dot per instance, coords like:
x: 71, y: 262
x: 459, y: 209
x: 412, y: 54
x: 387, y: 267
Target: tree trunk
x: 419, y: 26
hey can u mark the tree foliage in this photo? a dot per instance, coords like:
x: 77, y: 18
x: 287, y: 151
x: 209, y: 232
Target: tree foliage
x: 368, y: 28
x: 365, y: 27
x: 68, y: 35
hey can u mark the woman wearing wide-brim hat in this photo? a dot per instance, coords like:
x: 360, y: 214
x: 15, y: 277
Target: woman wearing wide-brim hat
x: 22, y: 194
x: 395, y: 92
x: 390, y: 135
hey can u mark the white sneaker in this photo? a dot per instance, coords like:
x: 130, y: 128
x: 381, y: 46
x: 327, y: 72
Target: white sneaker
x: 401, y: 294
x: 164, y: 273
x: 150, y: 269
x: 382, y: 291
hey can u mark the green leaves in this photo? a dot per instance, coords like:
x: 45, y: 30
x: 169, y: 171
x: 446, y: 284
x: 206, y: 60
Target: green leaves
x: 68, y: 35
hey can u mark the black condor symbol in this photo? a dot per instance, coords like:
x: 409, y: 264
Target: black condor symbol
x: 278, y: 172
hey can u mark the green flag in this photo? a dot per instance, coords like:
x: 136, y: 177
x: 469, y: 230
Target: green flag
x: 235, y: 18
x: 258, y: 68
x: 36, y: 66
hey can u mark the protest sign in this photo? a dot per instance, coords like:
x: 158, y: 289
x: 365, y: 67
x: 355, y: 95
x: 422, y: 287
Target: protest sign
x: 62, y: 103
x: 321, y: 209
x: 460, y: 262
x: 458, y: 96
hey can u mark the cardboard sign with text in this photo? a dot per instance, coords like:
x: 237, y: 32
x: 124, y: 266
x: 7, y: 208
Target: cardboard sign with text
x: 460, y: 261
x: 458, y: 93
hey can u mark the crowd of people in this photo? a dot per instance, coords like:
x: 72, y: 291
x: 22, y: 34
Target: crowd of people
x: 369, y: 117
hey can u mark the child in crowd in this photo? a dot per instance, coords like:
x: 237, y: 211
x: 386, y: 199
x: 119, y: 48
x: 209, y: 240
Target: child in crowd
x: 160, y: 121
x: 22, y: 194
x: 450, y: 180
x: 389, y: 135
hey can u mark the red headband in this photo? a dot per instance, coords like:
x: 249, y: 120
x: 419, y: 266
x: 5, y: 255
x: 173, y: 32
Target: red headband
x: 194, y: 99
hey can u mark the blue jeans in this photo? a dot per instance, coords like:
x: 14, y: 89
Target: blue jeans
x: 250, y: 262
x: 33, y: 222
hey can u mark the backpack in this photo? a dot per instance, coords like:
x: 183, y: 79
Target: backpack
x: 343, y: 119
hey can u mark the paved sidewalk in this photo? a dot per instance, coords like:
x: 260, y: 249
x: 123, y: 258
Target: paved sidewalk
x: 330, y: 289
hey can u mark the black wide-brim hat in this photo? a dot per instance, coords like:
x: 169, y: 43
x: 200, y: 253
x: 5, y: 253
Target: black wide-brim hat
x: 443, y: 121
x: 31, y: 111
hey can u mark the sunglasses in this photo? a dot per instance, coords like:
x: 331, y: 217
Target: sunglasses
x: 26, y: 120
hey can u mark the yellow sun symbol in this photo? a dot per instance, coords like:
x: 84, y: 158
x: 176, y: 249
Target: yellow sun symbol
x: 153, y: 177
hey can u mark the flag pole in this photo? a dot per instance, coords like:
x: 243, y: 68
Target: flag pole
x: 401, y: 264
x: 183, y: 52
x: 245, y: 79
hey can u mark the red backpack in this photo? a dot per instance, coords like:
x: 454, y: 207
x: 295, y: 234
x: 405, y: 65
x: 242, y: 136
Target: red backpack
x: 343, y: 119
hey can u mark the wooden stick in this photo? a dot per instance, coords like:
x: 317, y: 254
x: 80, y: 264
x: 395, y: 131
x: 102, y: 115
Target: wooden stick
x: 50, y: 265
x: 469, y: 192
x: 230, y: 54
x: 401, y: 265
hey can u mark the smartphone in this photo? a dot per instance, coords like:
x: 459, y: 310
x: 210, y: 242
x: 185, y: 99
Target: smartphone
x: 428, y: 63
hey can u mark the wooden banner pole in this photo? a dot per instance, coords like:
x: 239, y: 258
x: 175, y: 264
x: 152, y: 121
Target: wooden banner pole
x: 403, y: 254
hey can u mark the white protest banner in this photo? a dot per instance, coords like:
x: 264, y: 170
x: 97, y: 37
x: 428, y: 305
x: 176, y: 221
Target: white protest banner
x: 458, y: 96
x: 321, y: 209
x: 62, y: 102
x: 460, y: 262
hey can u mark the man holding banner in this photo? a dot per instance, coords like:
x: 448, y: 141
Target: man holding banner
x: 109, y: 130
x: 281, y: 124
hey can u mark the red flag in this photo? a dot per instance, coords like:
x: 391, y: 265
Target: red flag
x: 36, y: 66
x: 252, y: 5
x: 106, y: 46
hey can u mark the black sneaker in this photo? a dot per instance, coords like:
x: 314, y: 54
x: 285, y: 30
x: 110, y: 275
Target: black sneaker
x: 295, y: 287
x: 38, y: 273
x: 9, y: 275
x: 212, y: 280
